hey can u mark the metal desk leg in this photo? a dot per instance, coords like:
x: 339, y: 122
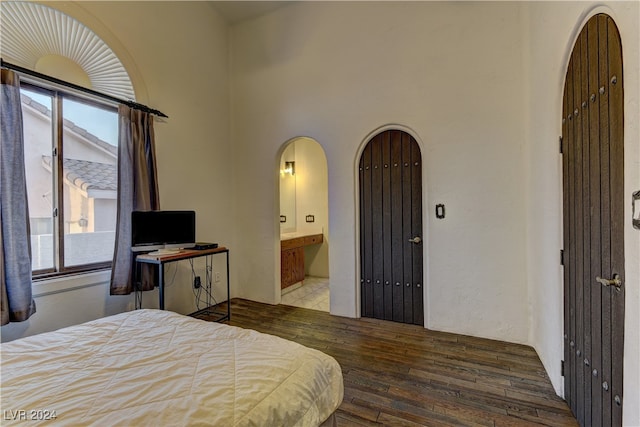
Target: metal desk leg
x: 228, y: 296
x: 161, y: 285
x: 137, y: 274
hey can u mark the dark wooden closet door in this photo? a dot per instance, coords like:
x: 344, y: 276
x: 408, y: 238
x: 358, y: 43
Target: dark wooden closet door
x: 593, y: 178
x: 391, y: 228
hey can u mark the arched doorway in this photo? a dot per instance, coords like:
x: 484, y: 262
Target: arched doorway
x: 304, y: 225
x: 391, y: 246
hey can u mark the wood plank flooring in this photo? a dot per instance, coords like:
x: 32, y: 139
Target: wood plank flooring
x: 404, y: 375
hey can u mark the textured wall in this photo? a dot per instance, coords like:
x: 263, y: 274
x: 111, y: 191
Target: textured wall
x: 453, y: 75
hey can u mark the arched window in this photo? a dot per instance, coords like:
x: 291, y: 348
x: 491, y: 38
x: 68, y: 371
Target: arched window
x: 46, y: 40
x: 70, y: 138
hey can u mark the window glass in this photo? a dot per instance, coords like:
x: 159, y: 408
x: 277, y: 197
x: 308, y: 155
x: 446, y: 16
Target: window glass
x: 38, y: 146
x: 89, y: 183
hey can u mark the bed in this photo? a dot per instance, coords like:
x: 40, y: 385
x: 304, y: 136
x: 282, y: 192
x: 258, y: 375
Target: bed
x: 153, y: 367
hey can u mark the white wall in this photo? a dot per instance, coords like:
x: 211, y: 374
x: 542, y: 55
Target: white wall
x: 553, y: 27
x: 181, y: 52
x: 65, y: 302
x: 452, y: 73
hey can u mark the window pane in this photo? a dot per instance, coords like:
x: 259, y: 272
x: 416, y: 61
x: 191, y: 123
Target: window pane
x: 38, y: 143
x: 89, y: 183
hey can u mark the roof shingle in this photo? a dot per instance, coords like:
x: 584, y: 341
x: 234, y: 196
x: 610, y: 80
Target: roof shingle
x: 88, y: 175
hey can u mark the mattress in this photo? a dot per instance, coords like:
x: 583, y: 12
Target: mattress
x: 152, y: 367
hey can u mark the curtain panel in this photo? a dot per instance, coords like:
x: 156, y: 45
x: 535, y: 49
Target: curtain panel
x: 137, y: 190
x: 15, y: 242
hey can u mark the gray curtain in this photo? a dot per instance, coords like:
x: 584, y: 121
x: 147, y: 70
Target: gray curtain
x: 15, y: 240
x: 137, y: 190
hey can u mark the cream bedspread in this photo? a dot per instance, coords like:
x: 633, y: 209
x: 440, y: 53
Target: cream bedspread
x: 152, y: 367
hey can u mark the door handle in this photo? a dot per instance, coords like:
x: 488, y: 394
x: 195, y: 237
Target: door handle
x: 616, y: 281
x: 416, y: 240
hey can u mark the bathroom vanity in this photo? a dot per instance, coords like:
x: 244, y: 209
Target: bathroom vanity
x: 292, y: 256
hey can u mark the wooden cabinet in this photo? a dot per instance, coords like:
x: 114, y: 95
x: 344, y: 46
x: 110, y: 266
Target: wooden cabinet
x: 292, y: 266
x: 292, y: 258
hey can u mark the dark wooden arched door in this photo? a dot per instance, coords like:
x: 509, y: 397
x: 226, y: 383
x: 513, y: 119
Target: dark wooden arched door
x: 593, y: 205
x: 391, y: 236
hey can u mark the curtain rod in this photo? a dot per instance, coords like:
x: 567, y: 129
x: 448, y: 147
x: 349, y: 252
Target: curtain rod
x: 41, y: 76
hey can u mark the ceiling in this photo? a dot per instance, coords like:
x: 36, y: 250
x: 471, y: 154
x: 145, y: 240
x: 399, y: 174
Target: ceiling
x: 240, y: 10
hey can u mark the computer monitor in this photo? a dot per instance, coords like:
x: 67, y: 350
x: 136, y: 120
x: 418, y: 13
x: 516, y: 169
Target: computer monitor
x: 151, y: 230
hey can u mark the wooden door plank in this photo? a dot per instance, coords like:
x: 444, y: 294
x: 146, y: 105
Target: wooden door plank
x: 595, y: 360
x: 376, y: 228
x: 416, y: 224
x: 361, y: 228
x: 616, y: 176
x: 605, y: 213
x: 366, y: 257
x: 387, y: 224
x: 566, y: 235
x: 571, y: 247
x: 578, y: 231
x: 585, y: 256
x: 407, y: 229
x: 396, y: 230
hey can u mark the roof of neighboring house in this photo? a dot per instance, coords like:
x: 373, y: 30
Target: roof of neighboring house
x: 88, y: 175
x: 83, y: 174
x: 68, y: 124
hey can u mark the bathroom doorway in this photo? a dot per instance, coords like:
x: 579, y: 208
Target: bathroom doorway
x: 304, y: 225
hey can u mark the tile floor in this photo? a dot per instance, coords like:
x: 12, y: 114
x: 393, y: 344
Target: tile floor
x: 313, y: 294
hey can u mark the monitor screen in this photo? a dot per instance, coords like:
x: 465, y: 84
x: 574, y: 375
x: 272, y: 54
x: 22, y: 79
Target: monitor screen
x: 156, y: 229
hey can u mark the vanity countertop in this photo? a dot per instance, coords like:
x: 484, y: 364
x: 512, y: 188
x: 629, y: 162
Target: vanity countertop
x: 297, y: 234
x: 298, y: 240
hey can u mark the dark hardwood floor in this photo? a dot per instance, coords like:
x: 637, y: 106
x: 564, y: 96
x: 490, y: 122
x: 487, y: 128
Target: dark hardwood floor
x: 405, y: 375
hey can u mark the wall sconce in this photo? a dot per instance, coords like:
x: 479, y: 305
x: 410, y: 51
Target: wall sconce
x: 290, y: 168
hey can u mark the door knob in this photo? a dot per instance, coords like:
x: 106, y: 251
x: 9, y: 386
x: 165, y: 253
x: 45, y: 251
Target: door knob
x: 616, y: 281
x: 416, y: 240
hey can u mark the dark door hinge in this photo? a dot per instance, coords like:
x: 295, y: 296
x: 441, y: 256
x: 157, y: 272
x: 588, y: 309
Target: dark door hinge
x: 562, y: 368
x: 562, y: 257
x: 55, y: 212
x: 560, y: 145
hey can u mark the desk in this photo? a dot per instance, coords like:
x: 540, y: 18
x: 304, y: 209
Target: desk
x: 161, y: 260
